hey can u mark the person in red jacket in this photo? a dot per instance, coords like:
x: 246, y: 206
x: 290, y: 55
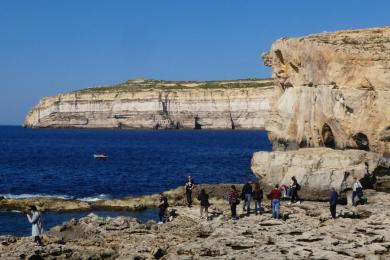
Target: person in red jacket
x: 275, y: 195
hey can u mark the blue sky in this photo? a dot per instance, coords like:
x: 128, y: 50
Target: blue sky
x: 49, y: 47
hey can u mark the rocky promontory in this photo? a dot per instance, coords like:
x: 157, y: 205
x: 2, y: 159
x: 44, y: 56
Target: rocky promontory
x: 333, y: 90
x: 331, y: 120
x: 239, y: 104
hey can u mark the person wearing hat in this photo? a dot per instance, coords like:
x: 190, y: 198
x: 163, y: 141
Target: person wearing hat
x: 35, y: 218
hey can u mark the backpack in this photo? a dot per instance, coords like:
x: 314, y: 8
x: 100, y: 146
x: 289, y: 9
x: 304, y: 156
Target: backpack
x: 298, y: 186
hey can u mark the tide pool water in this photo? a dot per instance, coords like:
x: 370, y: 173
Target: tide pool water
x: 16, y: 223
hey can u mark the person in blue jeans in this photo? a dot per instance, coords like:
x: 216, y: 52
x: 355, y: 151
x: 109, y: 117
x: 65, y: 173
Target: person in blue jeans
x: 258, y: 197
x: 247, y: 196
x: 275, y: 201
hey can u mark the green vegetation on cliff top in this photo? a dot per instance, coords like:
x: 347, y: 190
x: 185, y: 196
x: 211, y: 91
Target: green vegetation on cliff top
x: 138, y: 85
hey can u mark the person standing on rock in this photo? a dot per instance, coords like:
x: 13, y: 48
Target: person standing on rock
x: 334, y: 196
x: 246, y: 195
x: 233, y: 201
x: 189, y: 186
x: 275, y: 201
x: 203, y: 197
x: 258, y: 197
x: 163, y: 205
x: 357, y: 190
x: 35, y: 218
x: 295, y: 187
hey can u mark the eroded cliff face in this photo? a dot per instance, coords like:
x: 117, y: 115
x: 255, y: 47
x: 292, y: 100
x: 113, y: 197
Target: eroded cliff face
x: 334, y: 91
x: 138, y: 104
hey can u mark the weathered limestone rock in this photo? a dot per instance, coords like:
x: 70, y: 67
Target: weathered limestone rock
x: 158, y: 104
x: 334, y: 90
x: 319, y: 169
x: 309, y: 233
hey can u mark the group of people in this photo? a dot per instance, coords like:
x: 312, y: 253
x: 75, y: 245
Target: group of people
x: 247, y: 194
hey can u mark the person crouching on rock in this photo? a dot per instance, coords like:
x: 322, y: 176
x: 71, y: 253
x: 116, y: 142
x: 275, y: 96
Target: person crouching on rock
x: 233, y: 201
x: 258, y: 197
x: 203, y: 197
x: 35, y: 218
x: 189, y: 186
x: 246, y: 195
x: 333, y: 202
x: 163, y: 205
x: 275, y: 201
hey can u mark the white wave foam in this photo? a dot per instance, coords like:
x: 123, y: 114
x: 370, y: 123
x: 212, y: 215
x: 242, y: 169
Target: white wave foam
x: 28, y: 196
x: 95, y: 198
x: 64, y: 197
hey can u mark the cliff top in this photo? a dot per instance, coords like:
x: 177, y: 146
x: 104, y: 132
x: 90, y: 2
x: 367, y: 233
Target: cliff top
x: 136, y: 85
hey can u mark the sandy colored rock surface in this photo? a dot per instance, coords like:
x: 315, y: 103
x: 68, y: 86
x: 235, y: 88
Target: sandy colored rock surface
x: 308, y: 233
x: 139, y: 105
x: 333, y: 90
x: 319, y: 169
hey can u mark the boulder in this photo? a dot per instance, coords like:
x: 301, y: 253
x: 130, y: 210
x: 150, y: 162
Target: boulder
x: 319, y: 169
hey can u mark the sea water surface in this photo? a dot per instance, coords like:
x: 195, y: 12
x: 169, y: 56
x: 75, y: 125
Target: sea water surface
x: 60, y: 163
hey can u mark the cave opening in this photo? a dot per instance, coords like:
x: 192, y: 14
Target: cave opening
x: 361, y: 141
x: 197, y: 125
x: 328, y: 137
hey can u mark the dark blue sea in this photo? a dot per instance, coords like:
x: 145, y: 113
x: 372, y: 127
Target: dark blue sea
x: 60, y: 163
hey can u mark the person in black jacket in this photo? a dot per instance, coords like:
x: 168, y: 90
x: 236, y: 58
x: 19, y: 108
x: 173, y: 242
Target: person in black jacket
x: 246, y: 194
x: 163, y: 205
x: 295, y: 187
x: 258, y: 197
x: 203, y: 197
x: 333, y: 202
x: 189, y: 186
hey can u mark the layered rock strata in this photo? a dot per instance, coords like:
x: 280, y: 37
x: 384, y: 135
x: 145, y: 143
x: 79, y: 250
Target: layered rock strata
x: 307, y: 233
x: 159, y: 104
x: 333, y: 90
x: 319, y: 169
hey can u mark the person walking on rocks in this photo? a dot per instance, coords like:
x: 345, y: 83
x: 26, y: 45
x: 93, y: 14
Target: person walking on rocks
x: 334, y: 196
x: 258, y: 197
x: 275, y: 201
x: 35, y: 218
x: 163, y: 205
x: 203, y: 197
x: 295, y: 187
x: 189, y: 186
x: 357, y: 190
x: 233, y: 201
x: 246, y: 195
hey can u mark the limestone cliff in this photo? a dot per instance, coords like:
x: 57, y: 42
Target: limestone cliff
x: 159, y: 104
x: 333, y: 90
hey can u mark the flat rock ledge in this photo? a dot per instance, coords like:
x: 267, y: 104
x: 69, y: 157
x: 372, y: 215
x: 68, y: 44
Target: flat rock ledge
x: 175, y: 196
x: 307, y: 233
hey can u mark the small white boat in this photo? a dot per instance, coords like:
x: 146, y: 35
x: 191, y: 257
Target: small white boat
x: 100, y: 156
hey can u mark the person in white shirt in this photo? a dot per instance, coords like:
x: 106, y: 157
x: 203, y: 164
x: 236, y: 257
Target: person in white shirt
x: 35, y: 218
x: 357, y: 190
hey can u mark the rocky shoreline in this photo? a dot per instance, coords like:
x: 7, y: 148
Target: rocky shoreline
x: 307, y: 232
x: 175, y: 196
